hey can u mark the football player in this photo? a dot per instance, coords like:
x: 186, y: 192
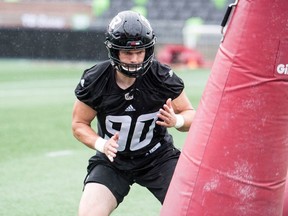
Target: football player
x: 135, y: 99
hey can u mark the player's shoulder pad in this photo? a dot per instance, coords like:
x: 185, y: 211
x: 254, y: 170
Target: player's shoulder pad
x: 93, y: 73
x: 162, y: 70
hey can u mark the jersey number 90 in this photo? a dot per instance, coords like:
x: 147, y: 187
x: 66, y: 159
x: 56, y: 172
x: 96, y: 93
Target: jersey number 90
x: 142, y: 133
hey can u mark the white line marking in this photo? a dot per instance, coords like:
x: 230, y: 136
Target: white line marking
x: 59, y: 153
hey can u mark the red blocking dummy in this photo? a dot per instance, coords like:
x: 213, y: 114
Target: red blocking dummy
x: 235, y: 158
x: 285, y: 210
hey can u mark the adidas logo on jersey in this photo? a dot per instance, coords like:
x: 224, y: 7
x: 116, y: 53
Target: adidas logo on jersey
x: 130, y: 108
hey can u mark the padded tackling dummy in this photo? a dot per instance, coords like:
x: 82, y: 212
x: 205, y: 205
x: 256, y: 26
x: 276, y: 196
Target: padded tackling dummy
x: 285, y: 210
x: 235, y: 158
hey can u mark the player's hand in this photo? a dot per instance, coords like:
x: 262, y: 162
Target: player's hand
x: 167, y: 115
x: 110, y: 147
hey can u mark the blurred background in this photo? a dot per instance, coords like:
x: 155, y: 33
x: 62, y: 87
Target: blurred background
x: 188, y: 31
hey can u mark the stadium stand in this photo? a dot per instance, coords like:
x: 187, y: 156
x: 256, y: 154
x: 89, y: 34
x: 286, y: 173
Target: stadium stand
x: 167, y: 17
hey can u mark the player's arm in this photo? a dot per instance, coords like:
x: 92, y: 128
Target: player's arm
x: 82, y: 117
x: 182, y: 106
x: 178, y: 113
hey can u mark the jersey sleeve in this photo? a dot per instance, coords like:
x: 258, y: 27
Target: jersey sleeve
x: 91, y: 85
x: 169, y: 83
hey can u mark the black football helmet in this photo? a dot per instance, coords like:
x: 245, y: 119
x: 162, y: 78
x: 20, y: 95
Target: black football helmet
x: 129, y: 31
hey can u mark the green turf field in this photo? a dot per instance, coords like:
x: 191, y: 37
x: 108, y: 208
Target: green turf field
x: 42, y: 166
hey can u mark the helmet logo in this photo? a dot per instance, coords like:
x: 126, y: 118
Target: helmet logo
x: 115, y: 22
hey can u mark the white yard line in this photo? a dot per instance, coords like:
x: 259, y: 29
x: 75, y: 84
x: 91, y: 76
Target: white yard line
x: 60, y: 153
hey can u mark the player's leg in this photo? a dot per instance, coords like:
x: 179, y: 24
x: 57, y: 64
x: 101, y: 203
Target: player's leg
x: 96, y: 199
x: 105, y: 188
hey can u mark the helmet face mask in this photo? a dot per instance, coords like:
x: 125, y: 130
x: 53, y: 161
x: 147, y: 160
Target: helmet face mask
x: 130, y: 31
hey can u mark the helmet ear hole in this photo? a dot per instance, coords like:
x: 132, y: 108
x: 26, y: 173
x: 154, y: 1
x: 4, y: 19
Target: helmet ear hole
x: 129, y: 30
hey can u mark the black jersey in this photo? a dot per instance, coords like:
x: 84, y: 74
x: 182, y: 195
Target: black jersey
x: 133, y: 111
